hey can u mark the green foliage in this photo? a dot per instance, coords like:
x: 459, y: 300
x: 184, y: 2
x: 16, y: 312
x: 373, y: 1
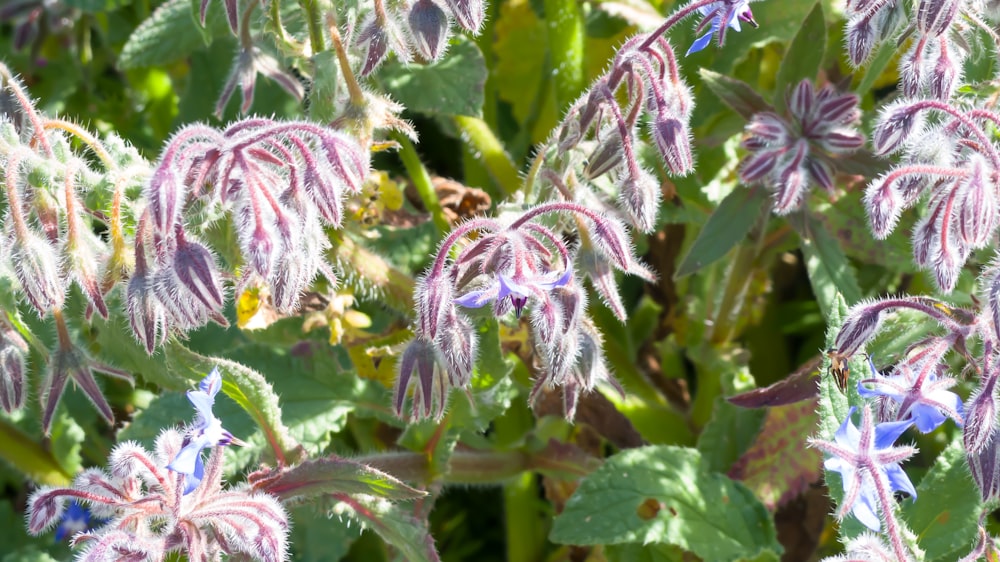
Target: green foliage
x: 658, y: 494
x: 451, y: 86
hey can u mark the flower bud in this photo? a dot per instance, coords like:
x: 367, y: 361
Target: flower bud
x: 884, y: 206
x: 769, y: 127
x: 640, y: 196
x: 934, y: 17
x: 838, y: 108
x: 469, y: 14
x: 429, y: 25
x: 861, y: 33
x: 977, y: 206
x: 985, y: 467
x: 165, y: 193
x: 943, y: 78
x: 897, y: 123
x: 36, y: 265
x: 607, y: 156
x: 672, y: 139
x: 801, y: 100
x: 758, y: 166
x: 820, y: 173
x: 981, y: 412
x: 861, y: 325
x: 195, y: 268
x: 378, y: 46
x: 13, y: 366
x: 419, y: 358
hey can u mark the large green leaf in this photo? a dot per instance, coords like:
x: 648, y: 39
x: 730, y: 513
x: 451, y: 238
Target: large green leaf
x: 317, y: 537
x: 830, y: 273
x: 328, y: 475
x: 726, y: 228
x: 946, y: 514
x: 738, y: 95
x: 450, y: 86
x: 804, y: 55
x: 403, y: 531
x: 170, y: 33
x: 660, y: 494
x: 728, y: 434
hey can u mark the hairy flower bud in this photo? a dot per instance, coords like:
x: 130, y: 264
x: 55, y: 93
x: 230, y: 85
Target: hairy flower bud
x: 13, y: 364
x: 934, y: 17
x: 861, y: 325
x: 981, y: 412
x: 36, y: 265
x: 861, y: 32
x: 944, y: 76
x: 672, y: 139
x: 985, y: 466
x: 896, y: 125
x: 883, y: 205
x: 469, y: 14
x: 977, y: 206
x: 429, y: 25
x: 607, y: 156
x: 195, y: 268
x: 640, y: 197
x: 378, y: 46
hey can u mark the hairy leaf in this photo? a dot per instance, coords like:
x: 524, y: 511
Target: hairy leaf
x: 330, y: 475
x: 400, y: 529
x: 738, y: 95
x: 726, y: 228
x: 170, y: 33
x: 830, y: 273
x: 659, y: 494
x: 452, y: 85
x: 804, y: 55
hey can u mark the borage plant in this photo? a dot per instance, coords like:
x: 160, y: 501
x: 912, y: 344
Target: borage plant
x: 610, y: 226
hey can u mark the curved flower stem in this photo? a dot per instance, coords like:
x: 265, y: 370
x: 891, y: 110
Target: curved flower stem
x: 38, y: 129
x: 962, y: 118
x: 673, y: 20
x: 85, y: 137
x: 422, y: 181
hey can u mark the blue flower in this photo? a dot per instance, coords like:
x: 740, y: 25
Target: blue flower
x: 723, y: 11
x: 76, y: 519
x: 206, y: 431
x: 869, y: 466
x: 922, y: 396
x: 519, y: 290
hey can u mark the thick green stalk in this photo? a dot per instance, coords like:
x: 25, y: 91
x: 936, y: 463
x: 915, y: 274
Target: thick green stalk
x: 315, y: 24
x: 480, y: 137
x: 28, y: 457
x: 564, y: 20
x: 422, y: 181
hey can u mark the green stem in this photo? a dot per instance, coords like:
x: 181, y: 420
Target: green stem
x: 478, y: 134
x: 27, y: 456
x: 566, y: 47
x: 422, y: 181
x: 474, y: 467
x: 313, y: 21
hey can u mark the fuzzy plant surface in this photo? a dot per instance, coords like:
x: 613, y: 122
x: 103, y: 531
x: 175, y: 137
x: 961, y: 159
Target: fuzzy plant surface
x: 446, y: 280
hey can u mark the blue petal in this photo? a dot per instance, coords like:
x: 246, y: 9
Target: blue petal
x: 887, y: 433
x: 847, y: 435
x: 927, y: 418
x: 192, y: 480
x: 701, y: 42
x: 187, y: 459
x: 473, y: 299
x: 203, y: 405
x: 212, y: 383
x: 566, y: 276
x: 509, y: 287
x: 898, y: 480
x: 865, y: 508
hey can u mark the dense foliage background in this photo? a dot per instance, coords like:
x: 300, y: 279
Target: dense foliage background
x: 744, y: 286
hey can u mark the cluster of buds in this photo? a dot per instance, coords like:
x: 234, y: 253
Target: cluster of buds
x: 50, y: 244
x: 281, y: 182
x: 510, y: 264
x: 646, y: 66
x: 789, y: 155
x: 171, y: 501
x: 421, y: 26
x: 938, y: 44
x: 955, y: 162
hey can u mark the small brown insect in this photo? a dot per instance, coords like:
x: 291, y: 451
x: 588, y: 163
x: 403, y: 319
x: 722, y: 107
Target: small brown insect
x: 839, y: 368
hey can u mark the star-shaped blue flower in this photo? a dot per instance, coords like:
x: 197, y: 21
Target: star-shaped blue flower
x: 206, y: 431
x: 519, y: 291
x: 921, y: 395
x: 868, y: 463
x: 723, y: 11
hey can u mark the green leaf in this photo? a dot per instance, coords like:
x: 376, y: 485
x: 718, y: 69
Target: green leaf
x: 317, y: 537
x: 847, y: 221
x: 329, y: 475
x: 779, y: 465
x: 323, y: 94
x: 804, y: 55
x: 875, y: 67
x: 728, y: 434
x: 830, y: 273
x: 170, y: 33
x: 644, y: 553
x: 659, y: 494
x: 946, y: 514
x: 726, y: 228
x: 450, y: 86
x: 403, y: 531
x: 738, y: 95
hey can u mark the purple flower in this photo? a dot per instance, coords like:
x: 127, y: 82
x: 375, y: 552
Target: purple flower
x: 869, y: 466
x: 729, y: 12
x: 518, y: 289
x: 922, y: 396
x: 207, y: 431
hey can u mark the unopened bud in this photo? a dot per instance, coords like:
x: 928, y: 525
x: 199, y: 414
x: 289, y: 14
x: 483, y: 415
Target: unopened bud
x: 36, y: 265
x: 861, y: 325
x: 896, y: 125
x: 640, y: 196
x: 884, y: 206
x: 672, y: 139
x: 429, y: 25
x: 469, y: 14
x: 981, y: 413
x: 607, y: 156
x: 934, y: 17
x: 13, y: 367
x: 378, y: 46
x: 195, y: 268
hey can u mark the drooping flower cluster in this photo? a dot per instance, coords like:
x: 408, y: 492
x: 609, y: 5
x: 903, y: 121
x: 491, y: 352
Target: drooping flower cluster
x: 170, y: 501
x: 938, y: 40
x: 282, y: 181
x: 789, y: 155
x: 513, y: 265
x: 647, y: 68
x: 954, y: 164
